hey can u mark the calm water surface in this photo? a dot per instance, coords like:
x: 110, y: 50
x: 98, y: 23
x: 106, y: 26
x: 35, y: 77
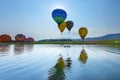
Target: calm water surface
x: 58, y: 62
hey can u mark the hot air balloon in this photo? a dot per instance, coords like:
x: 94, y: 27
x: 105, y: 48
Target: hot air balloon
x: 0, y: 39
x: 62, y: 27
x: 29, y: 39
x: 83, y: 32
x: 69, y: 25
x: 5, y: 38
x: 59, y: 15
x: 20, y: 38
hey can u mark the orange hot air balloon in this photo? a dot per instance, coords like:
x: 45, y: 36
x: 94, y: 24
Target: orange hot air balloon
x: 62, y: 27
x: 5, y: 38
x: 83, y: 32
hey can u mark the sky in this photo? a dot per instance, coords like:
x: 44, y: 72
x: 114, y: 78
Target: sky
x: 33, y: 17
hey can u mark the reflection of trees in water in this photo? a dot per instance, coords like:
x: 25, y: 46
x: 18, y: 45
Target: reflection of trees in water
x: 4, y: 49
x: 83, y: 56
x: 18, y: 49
x: 57, y: 72
x: 29, y: 48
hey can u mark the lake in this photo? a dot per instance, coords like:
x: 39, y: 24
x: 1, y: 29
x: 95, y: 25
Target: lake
x: 60, y: 62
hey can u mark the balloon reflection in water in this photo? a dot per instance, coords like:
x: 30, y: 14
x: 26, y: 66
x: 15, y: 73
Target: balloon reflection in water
x: 29, y: 48
x: 57, y: 72
x: 18, y: 49
x: 68, y: 63
x: 4, y: 49
x: 83, y: 56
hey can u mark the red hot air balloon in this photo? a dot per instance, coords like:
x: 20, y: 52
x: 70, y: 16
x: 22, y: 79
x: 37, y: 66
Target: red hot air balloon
x: 5, y: 38
x: 0, y: 39
x: 20, y: 38
x: 29, y: 39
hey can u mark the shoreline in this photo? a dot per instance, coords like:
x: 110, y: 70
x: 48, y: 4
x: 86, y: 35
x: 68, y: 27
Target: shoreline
x: 65, y: 42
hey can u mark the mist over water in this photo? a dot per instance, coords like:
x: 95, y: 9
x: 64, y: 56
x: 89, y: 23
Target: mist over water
x: 58, y: 62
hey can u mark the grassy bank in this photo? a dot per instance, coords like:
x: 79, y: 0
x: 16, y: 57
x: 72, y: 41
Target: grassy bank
x: 65, y: 42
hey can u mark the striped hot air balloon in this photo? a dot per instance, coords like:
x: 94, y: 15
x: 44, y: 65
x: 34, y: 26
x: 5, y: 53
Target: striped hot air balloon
x: 20, y: 38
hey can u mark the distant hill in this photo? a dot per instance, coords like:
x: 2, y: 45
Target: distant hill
x: 105, y: 37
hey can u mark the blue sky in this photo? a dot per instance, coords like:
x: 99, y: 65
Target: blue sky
x: 33, y: 17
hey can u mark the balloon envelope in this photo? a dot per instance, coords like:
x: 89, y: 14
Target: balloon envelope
x: 20, y: 37
x: 5, y: 38
x: 62, y: 26
x: 0, y: 39
x: 83, y: 32
x: 29, y: 39
x: 59, y: 15
x: 69, y: 25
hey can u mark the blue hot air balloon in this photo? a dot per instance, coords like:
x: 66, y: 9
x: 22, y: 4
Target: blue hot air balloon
x: 59, y: 15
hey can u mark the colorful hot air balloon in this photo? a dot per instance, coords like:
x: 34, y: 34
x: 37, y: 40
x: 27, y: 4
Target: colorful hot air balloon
x: 20, y: 38
x: 0, y: 39
x: 62, y: 27
x: 59, y: 15
x: 83, y: 32
x: 29, y: 39
x: 5, y: 38
x: 69, y: 25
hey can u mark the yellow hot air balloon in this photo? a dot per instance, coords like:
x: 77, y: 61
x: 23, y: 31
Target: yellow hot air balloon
x: 62, y: 27
x: 83, y: 32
